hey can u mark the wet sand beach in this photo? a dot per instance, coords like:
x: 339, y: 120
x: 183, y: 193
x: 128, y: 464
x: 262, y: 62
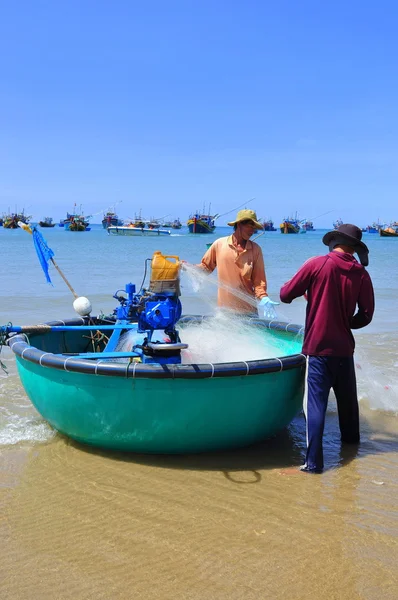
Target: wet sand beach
x: 81, y: 523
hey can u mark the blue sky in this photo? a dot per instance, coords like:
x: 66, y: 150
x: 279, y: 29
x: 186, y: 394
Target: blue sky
x: 167, y: 106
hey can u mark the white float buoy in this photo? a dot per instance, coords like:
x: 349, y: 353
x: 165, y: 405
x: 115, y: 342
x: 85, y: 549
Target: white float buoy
x: 82, y: 306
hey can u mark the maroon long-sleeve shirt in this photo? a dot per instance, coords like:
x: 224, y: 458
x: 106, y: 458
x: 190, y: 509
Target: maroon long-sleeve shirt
x: 335, y: 285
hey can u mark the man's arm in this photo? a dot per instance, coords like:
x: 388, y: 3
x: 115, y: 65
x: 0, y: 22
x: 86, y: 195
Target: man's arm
x: 366, y: 304
x: 209, y: 260
x: 259, y: 279
x: 298, y: 284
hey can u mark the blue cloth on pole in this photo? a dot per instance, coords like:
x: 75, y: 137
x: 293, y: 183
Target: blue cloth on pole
x: 43, y: 252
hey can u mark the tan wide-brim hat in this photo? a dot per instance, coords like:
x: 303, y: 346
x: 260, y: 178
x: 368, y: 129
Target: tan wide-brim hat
x: 246, y: 215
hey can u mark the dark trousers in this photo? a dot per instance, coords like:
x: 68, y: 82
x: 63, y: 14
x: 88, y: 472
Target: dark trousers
x: 324, y: 373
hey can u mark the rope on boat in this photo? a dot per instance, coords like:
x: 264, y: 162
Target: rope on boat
x: 42, y: 356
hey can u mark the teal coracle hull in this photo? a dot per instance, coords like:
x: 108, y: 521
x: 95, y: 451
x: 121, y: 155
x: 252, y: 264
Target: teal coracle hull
x: 146, y: 408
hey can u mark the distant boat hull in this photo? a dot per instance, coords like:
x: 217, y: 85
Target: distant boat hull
x: 74, y: 222
x: 77, y: 226
x: 48, y: 222
x: 137, y: 231
x: 268, y: 225
x: 111, y: 221
x: 388, y: 233
x: 11, y: 221
x: 289, y: 227
x: 200, y: 226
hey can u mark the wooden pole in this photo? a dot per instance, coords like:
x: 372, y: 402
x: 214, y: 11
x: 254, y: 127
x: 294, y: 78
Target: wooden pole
x: 64, y: 278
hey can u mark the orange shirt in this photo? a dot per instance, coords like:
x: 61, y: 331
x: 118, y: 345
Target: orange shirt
x: 242, y: 272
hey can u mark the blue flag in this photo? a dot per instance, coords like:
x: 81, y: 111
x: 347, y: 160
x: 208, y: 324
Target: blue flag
x: 44, y: 253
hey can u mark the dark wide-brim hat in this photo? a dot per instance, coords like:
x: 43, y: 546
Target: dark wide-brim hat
x: 348, y: 235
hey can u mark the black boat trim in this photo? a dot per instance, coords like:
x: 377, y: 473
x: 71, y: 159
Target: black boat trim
x: 19, y: 344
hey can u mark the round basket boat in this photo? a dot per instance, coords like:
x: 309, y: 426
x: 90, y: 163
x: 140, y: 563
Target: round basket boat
x: 153, y: 408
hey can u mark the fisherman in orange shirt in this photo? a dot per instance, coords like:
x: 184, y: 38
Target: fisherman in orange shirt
x: 240, y: 268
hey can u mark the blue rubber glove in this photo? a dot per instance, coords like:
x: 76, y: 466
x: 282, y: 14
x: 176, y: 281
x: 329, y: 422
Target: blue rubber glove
x: 266, y: 305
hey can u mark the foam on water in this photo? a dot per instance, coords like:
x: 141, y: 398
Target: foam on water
x: 377, y: 384
x: 15, y: 429
x: 19, y: 421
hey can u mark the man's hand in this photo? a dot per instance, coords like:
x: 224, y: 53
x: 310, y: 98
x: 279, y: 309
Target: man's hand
x: 266, y: 305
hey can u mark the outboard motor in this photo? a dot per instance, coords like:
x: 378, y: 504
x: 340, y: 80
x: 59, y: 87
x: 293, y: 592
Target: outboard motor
x: 157, y: 307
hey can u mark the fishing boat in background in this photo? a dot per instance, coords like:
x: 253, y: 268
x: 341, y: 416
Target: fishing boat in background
x: 67, y: 219
x: 268, y: 225
x: 390, y: 231
x: 111, y: 218
x: 1, y: 221
x: 77, y: 223
x: 153, y: 223
x: 176, y: 224
x: 137, y: 222
x: 337, y: 223
x: 47, y: 222
x: 374, y: 228
x: 140, y: 395
x: 307, y: 225
x: 290, y: 225
x: 201, y: 222
x: 10, y: 221
x: 133, y: 230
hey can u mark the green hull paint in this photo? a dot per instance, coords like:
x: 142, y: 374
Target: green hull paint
x: 164, y: 415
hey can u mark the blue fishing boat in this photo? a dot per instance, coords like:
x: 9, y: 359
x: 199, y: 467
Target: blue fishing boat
x: 143, y: 397
x: 374, y: 228
x: 290, y: 225
x: 201, y: 223
x: 111, y: 219
x: 77, y: 223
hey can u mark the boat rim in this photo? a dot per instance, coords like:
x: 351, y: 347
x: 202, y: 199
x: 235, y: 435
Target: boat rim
x: 20, y: 346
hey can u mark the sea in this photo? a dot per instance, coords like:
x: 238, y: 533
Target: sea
x: 82, y: 523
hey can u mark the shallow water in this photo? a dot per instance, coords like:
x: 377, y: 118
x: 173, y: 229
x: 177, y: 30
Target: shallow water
x: 81, y: 523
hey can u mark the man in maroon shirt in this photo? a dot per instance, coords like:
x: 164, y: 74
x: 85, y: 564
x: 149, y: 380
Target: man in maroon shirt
x: 334, y: 285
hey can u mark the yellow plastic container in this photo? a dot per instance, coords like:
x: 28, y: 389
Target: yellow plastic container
x: 163, y: 268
